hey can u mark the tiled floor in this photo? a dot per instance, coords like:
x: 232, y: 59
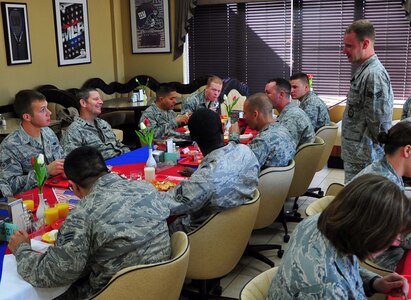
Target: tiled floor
x: 249, y: 267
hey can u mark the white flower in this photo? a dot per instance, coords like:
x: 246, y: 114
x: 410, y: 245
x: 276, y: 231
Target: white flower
x: 225, y: 97
x: 142, y: 126
x: 40, y: 159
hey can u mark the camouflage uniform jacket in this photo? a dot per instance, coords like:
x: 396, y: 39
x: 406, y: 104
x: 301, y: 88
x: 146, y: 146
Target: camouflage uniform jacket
x: 227, y: 177
x: 312, y: 268
x: 316, y: 110
x: 406, y: 109
x: 16, y: 150
x: 368, y: 111
x: 198, y: 100
x: 298, y: 124
x: 99, y: 135
x: 119, y: 224
x: 390, y: 257
x: 383, y: 167
x: 163, y: 121
x: 273, y: 145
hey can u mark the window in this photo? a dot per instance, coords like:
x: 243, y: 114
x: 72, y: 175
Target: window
x: 254, y: 42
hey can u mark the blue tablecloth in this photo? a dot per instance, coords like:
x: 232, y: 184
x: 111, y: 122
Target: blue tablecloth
x: 3, y: 246
x: 139, y: 155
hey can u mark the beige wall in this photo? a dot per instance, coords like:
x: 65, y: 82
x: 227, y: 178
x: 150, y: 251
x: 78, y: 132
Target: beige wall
x: 110, y: 41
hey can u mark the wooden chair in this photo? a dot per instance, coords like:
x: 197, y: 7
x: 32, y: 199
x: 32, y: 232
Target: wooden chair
x: 162, y: 280
x: 217, y: 245
x: 273, y: 184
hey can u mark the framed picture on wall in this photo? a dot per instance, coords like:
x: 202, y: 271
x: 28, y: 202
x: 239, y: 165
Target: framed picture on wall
x: 72, y: 34
x: 150, y: 26
x: 16, y: 33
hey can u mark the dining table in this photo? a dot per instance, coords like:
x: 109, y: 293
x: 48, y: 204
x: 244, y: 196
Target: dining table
x: 12, y: 286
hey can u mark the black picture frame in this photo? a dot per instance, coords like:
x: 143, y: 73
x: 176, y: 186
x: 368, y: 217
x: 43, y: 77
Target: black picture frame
x: 16, y: 33
x: 72, y: 32
x: 150, y: 26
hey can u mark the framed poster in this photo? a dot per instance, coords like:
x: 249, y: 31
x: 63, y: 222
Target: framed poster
x: 72, y: 34
x: 150, y: 26
x: 16, y: 33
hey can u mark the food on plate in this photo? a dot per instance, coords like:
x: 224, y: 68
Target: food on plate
x: 163, y: 185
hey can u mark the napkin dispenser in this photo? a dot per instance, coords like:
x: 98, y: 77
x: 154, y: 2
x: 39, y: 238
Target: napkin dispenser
x: 158, y: 155
x: 12, y: 208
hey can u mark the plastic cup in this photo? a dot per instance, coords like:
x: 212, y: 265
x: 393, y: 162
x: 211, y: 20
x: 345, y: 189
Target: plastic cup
x: 51, y: 215
x: 149, y: 173
x: 63, y: 209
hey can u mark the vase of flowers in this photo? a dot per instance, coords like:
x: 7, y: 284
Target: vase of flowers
x: 229, y: 105
x: 40, y: 170
x: 142, y: 88
x: 310, y: 81
x: 146, y: 136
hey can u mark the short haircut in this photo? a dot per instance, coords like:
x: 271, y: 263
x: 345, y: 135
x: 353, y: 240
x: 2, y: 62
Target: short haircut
x: 362, y: 29
x: 398, y: 136
x: 281, y: 84
x: 84, y: 165
x: 84, y: 93
x: 205, y: 127
x: 164, y: 90
x: 214, y: 79
x: 366, y: 216
x: 24, y: 99
x: 261, y: 103
x: 300, y: 76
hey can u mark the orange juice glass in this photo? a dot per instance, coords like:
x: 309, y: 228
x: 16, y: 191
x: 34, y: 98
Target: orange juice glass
x: 29, y: 204
x: 63, y: 209
x: 51, y: 215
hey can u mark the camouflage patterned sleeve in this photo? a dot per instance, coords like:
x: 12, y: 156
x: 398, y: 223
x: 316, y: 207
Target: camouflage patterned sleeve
x: 366, y: 276
x: 190, y: 103
x: 378, y: 103
x: 71, y: 140
x: 163, y: 123
x: 13, y: 179
x: 406, y: 110
x: 234, y: 137
x: 60, y: 265
x: 190, y: 195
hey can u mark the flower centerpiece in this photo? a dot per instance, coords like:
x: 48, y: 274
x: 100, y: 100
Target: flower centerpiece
x: 40, y: 169
x: 310, y: 81
x: 146, y: 136
x: 142, y: 88
x: 229, y: 107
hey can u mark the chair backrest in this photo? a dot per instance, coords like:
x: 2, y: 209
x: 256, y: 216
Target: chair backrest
x: 217, y: 245
x: 238, y: 106
x: 273, y: 184
x: 306, y: 161
x: 154, y: 281
x: 329, y: 134
x: 257, y: 288
x: 318, y: 205
x: 334, y: 188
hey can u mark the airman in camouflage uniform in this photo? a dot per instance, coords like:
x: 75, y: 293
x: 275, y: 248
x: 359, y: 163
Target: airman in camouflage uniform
x: 291, y: 116
x: 226, y: 177
x: 310, y: 103
x: 322, y: 260
x: 273, y: 145
x: 406, y: 109
x: 98, y: 134
x: 312, y: 268
x: 369, y: 102
x: 205, y: 99
x: 316, y: 110
x: 160, y: 115
x: 88, y: 130
x: 16, y: 150
x: 118, y: 223
x: 32, y: 138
